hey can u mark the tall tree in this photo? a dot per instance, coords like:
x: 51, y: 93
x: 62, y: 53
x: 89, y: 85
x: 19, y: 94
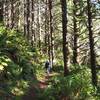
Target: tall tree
x: 12, y: 13
x: 65, y: 43
x: 39, y: 22
x: 91, y: 42
x: 25, y: 23
x: 6, y: 13
x: 27, y: 18
x: 1, y: 10
x: 33, y: 35
x: 75, y: 32
x: 17, y: 14
x: 51, y: 32
x: 46, y: 29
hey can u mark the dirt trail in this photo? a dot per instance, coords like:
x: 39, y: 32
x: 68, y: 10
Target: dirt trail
x: 31, y: 94
x: 44, y: 83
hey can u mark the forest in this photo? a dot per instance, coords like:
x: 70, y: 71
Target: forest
x: 49, y: 49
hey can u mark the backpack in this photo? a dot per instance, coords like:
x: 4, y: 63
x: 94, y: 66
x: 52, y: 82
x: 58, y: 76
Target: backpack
x: 46, y: 64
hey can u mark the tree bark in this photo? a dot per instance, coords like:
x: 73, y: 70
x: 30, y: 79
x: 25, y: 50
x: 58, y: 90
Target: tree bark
x: 25, y: 31
x: 75, y: 34
x: 46, y: 27
x: 27, y: 18
x: 1, y: 11
x: 51, y: 32
x: 91, y: 40
x: 6, y: 13
x: 32, y: 23
x: 65, y: 43
x: 12, y: 14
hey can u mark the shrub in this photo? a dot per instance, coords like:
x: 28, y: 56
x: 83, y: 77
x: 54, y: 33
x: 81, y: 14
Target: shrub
x: 75, y: 86
x: 15, y: 59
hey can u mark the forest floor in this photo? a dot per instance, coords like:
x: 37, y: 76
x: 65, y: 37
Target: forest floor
x: 42, y: 85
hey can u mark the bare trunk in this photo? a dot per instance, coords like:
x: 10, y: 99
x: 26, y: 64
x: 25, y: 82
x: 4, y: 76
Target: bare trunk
x: 33, y: 37
x: 51, y: 32
x: 6, y: 13
x: 25, y: 30
x: 12, y: 14
x: 65, y: 43
x: 39, y: 26
x: 75, y: 34
x: 27, y: 18
x: 46, y: 28
x: 1, y: 10
x: 91, y: 40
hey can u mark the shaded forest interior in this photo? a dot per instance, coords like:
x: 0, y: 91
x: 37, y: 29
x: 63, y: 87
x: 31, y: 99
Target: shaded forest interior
x: 66, y: 33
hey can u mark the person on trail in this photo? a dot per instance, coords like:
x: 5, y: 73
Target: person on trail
x: 47, y: 67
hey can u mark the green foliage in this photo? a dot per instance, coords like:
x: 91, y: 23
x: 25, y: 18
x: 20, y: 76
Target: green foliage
x: 58, y: 68
x: 75, y: 86
x: 16, y: 67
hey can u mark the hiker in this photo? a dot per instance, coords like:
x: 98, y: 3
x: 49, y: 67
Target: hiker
x: 47, y: 67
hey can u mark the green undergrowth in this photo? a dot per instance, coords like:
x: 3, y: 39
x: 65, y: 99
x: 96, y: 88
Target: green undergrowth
x: 17, y: 64
x: 76, y: 86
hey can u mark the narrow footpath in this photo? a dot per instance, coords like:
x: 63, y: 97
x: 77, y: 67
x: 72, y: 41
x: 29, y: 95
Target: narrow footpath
x: 42, y: 85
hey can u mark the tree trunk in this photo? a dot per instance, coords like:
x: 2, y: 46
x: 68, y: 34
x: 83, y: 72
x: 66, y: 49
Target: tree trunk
x: 1, y: 11
x: 12, y: 14
x: 27, y: 18
x: 25, y: 23
x: 17, y: 13
x: 46, y: 27
x: 91, y: 40
x: 39, y: 25
x: 39, y: 16
x: 51, y: 32
x: 6, y: 13
x: 32, y: 23
x: 75, y: 34
x: 65, y: 43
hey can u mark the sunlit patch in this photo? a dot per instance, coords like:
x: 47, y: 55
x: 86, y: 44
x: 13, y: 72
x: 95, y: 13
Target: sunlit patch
x: 1, y: 67
x: 4, y: 64
x: 16, y: 91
